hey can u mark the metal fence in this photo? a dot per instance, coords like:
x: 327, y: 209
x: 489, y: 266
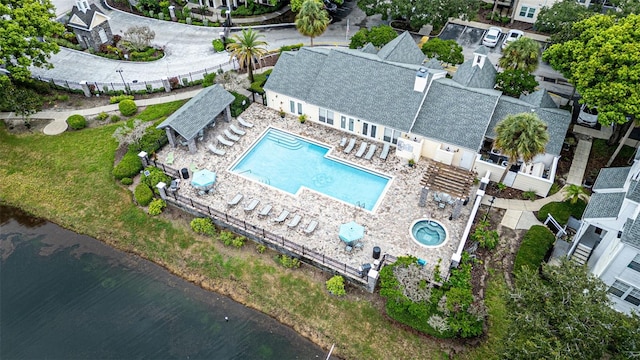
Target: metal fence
x: 277, y: 241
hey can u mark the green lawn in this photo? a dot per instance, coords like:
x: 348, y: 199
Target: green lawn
x: 562, y: 210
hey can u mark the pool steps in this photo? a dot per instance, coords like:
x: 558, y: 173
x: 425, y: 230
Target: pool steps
x: 284, y: 140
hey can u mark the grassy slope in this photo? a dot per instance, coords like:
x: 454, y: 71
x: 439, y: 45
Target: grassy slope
x: 67, y: 179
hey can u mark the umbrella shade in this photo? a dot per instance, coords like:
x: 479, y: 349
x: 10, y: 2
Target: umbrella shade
x: 351, y: 232
x: 203, y: 179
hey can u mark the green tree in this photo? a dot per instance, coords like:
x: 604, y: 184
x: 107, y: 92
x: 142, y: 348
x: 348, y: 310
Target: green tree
x: 516, y: 82
x: 248, y: 49
x: 295, y: 5
x: 521, y: 137
x: 522, y: 54
x: 312, y: 20
x: 378, y: 36
x: 24, y: 25
x: 447, y: 51
x: 603, y: 63
x: 558, y: 19
x: 574, y: 192
x: 563, y: 313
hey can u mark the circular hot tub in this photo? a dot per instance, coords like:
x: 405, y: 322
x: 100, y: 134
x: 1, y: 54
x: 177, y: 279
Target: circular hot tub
x: 428, y: 233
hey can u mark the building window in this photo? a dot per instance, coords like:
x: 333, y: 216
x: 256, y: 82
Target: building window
x: 633, y: 297
x: 329, y: 117
x: 343, y: 122
x: 351, y: 124
x: 299, y: 108
x: 635, y: 263
x: 322, y: 115
x: 618, y: 288
x: 527, y: 11
x: 365, y: 128
x: 372, y: 133
x: 292, y: 106
x: 103, y: 36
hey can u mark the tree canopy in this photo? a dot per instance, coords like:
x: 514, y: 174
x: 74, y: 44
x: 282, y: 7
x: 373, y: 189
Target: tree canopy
x: 248, y: 49
x: 603, y: 63
x: 24, y: 28
x: 446, y: 51
x: 522, y: 54
x: 564, y: 313
x: 378, y: 36
x: 516, y: 82
x: 558, y: 19
x: 312, y: 20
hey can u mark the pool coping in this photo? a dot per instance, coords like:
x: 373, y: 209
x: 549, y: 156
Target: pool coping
x: 446, y: 233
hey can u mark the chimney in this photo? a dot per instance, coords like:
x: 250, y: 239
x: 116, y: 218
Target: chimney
x: 422, y: 79
x: 82, y: 5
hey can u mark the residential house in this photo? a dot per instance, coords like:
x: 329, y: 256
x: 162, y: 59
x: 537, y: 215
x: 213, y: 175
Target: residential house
x: 392, y: 95
x: 90, y: 25
x: 608, y: 239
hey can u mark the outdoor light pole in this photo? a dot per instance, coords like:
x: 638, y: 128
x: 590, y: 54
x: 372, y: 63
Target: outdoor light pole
x: 491, y: 201
x: 119, y: 71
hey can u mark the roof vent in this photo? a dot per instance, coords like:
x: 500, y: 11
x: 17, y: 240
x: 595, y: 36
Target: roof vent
x: 422, y: 79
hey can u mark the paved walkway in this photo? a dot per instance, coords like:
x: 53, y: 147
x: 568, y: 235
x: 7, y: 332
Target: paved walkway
x: 580, y: 159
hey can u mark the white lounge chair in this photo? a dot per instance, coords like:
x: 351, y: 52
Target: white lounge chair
x: 343, y: 142
x: 231, y: 136
x: 349, y: 147
x: 282, y: 217
x: 224, y: 141
x: 385, y: 151
x: 251, y: 205
x: 236, y: 130
x: 215, y: 150
x: 372, y: 150
x: 265, y: 210
x: 169, y: 159
x: 235, y: 200
x: 311, y: 227
x: 362, y: 148
x: 295, y: 221
x: 244, y: 123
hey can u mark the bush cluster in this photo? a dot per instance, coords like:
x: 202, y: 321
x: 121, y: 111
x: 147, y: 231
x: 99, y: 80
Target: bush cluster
x: 258, y: 82
x: 535, y: 244
x: 156, y: 207
x: 335, y: 285
x: 143, y: 194
x: 294, y: 47
x: 128, y: 107
x: 255, y: 9
x: 488, y: 239
x: 203, y: 226
x: 209, y: 80
x: 149, y: 54
x: 77, y: 122
x: 126, y: 181
x: 102, y: 116
x: 129, y: 166
x: 236, y: 105
x: 218, y: 45
x: 116, y: 99
x: 288, y: 261
x: 155, y: 176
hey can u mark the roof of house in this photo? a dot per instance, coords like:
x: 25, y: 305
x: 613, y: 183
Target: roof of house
x: 470, y: 74
x: 198, y: 112
x: 631, y: 233
x: 604, y: 205
x: 433, y: 63
x: 611, y: 178
x: 540, y: 98
x: 557, y: 120
x: 455, y: 114
x: 402, y: 49
x: 86, y: 20
x: 634, y: 191
x: 296, y: 72
x: 369, y: 48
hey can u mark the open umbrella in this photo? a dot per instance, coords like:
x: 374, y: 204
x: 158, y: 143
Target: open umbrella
x: 203, y: 179
x: 351, y: 232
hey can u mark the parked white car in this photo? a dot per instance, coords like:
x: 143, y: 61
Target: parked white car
x: 512, y: 36
x: 588, y: 116
x: 492, y: 36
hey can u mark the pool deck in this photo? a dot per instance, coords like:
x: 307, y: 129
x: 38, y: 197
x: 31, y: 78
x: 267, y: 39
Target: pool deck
x: 386, y: 227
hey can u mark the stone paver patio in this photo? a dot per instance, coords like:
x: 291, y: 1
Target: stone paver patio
x: 387, y: 227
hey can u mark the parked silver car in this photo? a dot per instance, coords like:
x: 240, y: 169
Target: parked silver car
x: 512, y: 36
x: 492, y: 37
x: 588, y: 116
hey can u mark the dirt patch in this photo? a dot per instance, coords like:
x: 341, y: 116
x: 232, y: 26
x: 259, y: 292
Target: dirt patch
x: 26, y: 127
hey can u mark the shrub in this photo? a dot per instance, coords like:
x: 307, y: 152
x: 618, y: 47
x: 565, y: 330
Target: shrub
x: 530, y: 195
x: 203, y: 226
x: 209, y: 80
x: 288, y: 261
x: 128, y: 107
x: 226, y: 237
x: 335, y: 285
x: 102, y: 116
x: 535, y: 245
x: 126, y: 181
x: 488, y: 239
x: 155, y: 176
x: 261, y: 248
x: 238, y: 241
x: 77, y: 122
x: 302, y: 118
x: 218, y: 45
x: 143, y: 194
x: 293, y: 47
x: 114, y: 118
x: 156, y: 207
x: 152, y: 140
x: 129, y: 166
x: 116, y: 99
x: 236, y: 107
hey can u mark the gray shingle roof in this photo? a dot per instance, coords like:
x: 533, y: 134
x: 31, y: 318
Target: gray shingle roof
x: 433, y: 64
x: 369, y: 48
x: 402, y: 49
x: 540, y: 98
x: 198, y: 112
x: 296, y: 72
x: 456, y: 115
x: 363, y: 86
x: 557, y: 120
x: 634, y: 191
x: 86, y: 17
x: 474, y: 76
x: 611, y: 178
x: 604, y: 205
x: 482, y: 50
x: 631, y: 233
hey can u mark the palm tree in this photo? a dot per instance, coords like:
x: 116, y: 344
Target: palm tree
x: 522, y: 54
x: 521, y: 137
x: 574, y: 192
x: 312, y: 20
x: 247, y: 49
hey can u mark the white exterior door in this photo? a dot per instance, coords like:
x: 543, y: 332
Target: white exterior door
x: 466, y: 160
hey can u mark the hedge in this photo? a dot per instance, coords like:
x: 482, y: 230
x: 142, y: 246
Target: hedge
x: 129, y: 166
x: 236, y: 106
x: 128, y: 107
x: 77, y: 122
x: 209, y: 80
x: 562, y: 210
x: 535, y: 245
x: 143, y: 194
x: 116, y: 99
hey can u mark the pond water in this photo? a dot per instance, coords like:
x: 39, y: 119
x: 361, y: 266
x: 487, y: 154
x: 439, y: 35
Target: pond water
x: 68, y: 296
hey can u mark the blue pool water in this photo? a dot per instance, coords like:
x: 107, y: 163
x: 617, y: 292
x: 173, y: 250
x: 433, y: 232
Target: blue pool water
x: 428, y: 232
x: 288, y: 162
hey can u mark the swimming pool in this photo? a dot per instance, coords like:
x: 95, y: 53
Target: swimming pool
x: 290, y: 163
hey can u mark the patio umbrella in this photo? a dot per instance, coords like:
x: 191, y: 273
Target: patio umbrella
x: 203, y: 179
x: 351, y: 232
